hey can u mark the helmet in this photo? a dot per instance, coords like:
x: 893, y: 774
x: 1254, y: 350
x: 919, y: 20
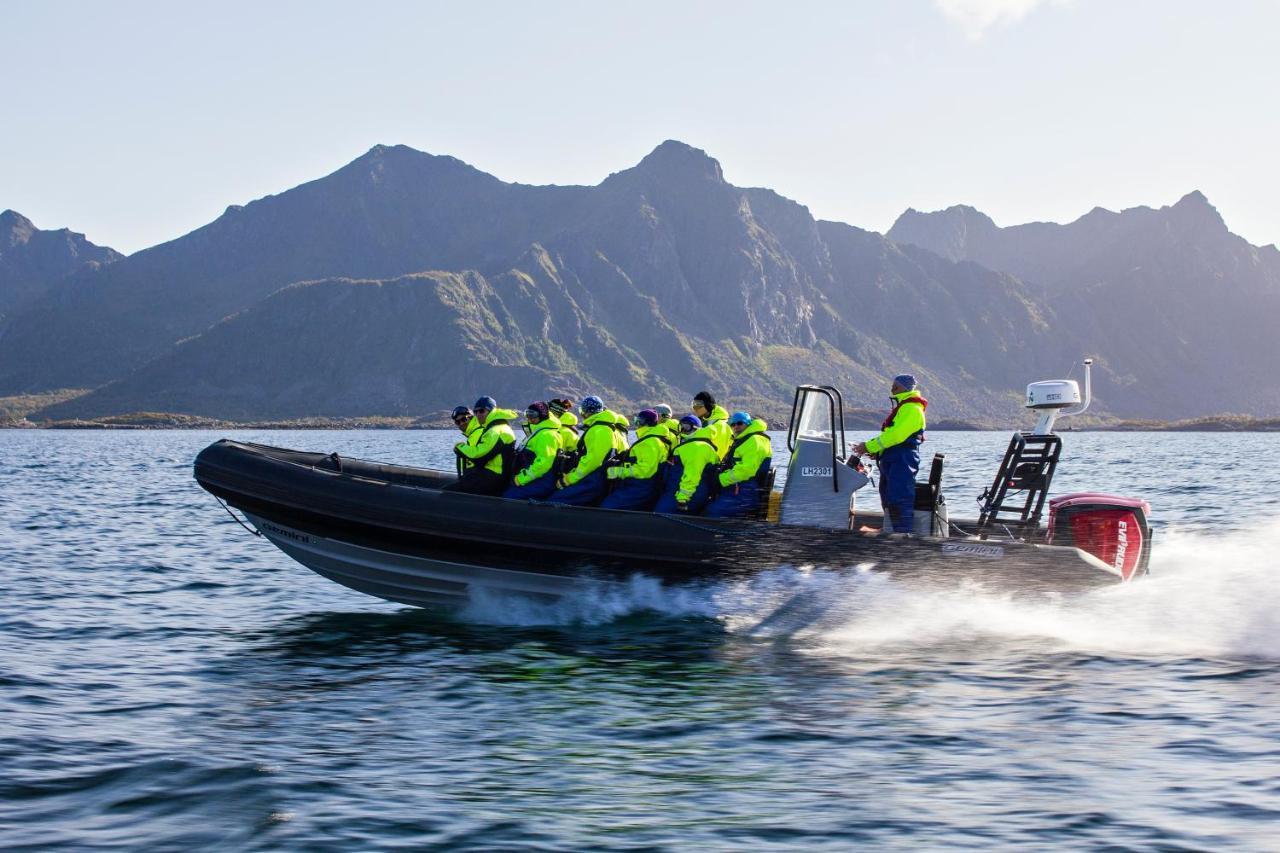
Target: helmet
x: 559, y: 405
x: 906, y: 380
x: 591, y: 405
x: 663, y: 409
x: 705, y: 399
x: 691, y: 421
x: 538, y: 409
x: 743, y: 418
x: 646, y: 418
x: 460, y: 412
x: 486, y: 403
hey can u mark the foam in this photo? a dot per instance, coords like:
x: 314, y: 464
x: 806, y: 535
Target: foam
x: 1207, y: 596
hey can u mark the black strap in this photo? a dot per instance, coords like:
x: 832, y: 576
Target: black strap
x: 582, y: 442
x: 506, y: 448
x: 627, y: 456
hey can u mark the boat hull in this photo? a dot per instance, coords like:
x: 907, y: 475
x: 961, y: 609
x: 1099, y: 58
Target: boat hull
x: 392, y: 533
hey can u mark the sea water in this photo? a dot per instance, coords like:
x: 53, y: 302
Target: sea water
x: 169, y: 681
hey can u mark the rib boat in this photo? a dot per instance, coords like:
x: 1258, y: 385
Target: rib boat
x: 391, y: 531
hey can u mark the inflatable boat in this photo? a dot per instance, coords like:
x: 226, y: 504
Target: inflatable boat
x: 392, y: 532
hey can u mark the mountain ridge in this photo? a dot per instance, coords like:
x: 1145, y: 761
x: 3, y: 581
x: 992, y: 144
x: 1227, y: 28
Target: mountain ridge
x: 33, y: 260
x: 659, y: 280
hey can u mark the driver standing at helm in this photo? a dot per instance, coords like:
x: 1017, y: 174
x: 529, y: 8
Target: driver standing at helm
x: 897, y: 451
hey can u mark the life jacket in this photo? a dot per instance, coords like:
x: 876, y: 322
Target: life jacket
x: 504, y: 449
x: 627, y: 457
x: 524, y: 457
x: 917, y: 439
x: 766, y: 464
x: 569, y: 461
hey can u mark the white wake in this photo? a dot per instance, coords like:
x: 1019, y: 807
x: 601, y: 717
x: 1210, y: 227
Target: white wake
x: 1207, y: 596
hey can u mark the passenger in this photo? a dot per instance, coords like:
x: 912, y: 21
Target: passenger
x: 463, y: 420
x: 715, y: 418
x: 638, y: 472
x: 692, y: 476
x: 897, y: 450
x: 670, y: 424
x: 536, y: 461
x: 488, y: 453
x: 621, y: 433
x: 562, y: 408
x: 466, y: 424
x: 585, y: 483
x: 746, y: 470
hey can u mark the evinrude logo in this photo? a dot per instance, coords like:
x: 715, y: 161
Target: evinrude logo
x: 814, y: 471
x: 972, y: 549
x: 1122, y: 544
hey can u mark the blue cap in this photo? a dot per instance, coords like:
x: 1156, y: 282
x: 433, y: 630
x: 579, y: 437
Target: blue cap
x: 906, y: 380
x: 591, y: 405
x: 486, y: 403
x: 692, y: 420
x: 743, y: 418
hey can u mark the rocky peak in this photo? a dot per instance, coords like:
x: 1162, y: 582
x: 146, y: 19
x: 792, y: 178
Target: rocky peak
x: 950, y: 232
x: 1194, y: 210
x: 15, y: 228
x: 673, y: 160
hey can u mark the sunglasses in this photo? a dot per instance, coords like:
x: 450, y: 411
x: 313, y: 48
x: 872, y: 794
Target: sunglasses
x: 461, y: 419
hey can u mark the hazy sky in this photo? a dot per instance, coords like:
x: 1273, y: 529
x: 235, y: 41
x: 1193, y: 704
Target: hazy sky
x: 137, y: 122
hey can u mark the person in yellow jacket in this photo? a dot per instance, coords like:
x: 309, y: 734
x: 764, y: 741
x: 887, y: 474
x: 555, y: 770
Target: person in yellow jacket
x: 638, y: 473
x: 488, y: 453
x: 535, y: 462
x: 692, y: 476
x: 621, y: 433
x: 562, y: 408
x: 745, y: 471
x: 897, y: 453
x: 466, y: 424
x: 585, y: 483
x: 714, y: 418
x: 670, y: 424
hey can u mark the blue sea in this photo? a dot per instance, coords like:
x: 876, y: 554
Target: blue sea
x: 168, y: 681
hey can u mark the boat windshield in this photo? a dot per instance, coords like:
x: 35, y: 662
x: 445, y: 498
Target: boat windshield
x: 815, y: 416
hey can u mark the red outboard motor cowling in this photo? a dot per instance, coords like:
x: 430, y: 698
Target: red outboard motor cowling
x: 1111, y: 528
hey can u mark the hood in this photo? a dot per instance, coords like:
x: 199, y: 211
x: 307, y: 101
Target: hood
x: 501, y: 415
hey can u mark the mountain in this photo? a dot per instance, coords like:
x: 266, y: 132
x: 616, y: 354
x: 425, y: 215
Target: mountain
x: 1180, y: 310
x: 405, y: 282
x: 442, y: 280
x: 32, y: 261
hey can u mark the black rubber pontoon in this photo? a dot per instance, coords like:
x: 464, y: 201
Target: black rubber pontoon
x: 390, y: 531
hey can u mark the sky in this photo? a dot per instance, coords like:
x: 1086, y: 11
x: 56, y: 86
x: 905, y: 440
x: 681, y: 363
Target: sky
x: 137, y: 122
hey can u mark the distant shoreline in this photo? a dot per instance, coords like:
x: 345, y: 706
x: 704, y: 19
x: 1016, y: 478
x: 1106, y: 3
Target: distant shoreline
x: 853, y: 421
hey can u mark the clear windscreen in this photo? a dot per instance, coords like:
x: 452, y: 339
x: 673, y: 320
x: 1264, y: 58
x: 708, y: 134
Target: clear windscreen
x: 815, y: 416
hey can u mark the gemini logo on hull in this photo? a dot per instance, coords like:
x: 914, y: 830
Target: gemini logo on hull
x: 972, y: 549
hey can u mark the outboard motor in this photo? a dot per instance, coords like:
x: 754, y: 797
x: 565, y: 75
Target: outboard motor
x: 820, y: 482
x: 1111, y: 528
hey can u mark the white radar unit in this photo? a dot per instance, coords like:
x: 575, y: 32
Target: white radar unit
x: 1052, y: 397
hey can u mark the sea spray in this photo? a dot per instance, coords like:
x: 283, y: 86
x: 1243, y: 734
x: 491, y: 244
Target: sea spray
x: 1208, y: 595
x: 593, y: 603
